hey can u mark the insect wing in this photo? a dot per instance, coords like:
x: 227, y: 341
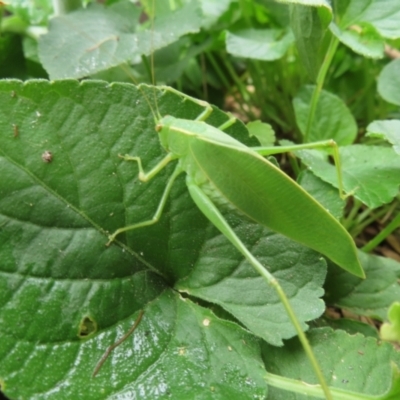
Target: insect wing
x: 265, y: 194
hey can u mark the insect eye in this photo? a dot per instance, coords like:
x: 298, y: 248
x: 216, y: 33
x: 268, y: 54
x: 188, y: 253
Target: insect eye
x: 158, y: 127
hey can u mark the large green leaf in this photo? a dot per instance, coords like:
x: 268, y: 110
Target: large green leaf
x: 102, y: 38
x: 62, y: 188
x: 179, y: 350
x: 388, y: 130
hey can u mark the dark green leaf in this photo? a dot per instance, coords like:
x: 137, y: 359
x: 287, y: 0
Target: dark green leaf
x: 371, y: 297
x: 176, y: 338
x: 63, y: 188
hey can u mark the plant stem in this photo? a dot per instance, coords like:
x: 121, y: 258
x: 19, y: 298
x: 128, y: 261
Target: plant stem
x: 394, y: 224
x: 62, y: 7
x: 304, y: 388
x: 320, y: 82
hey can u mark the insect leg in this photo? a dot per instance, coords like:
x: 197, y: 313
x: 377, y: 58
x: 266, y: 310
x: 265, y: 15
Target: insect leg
x: 158, y: 212
x: 146, y: 176
x: 207, y: 108
x: 209, y: 209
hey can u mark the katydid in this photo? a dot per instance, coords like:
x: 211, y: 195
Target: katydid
x: 217, y: 165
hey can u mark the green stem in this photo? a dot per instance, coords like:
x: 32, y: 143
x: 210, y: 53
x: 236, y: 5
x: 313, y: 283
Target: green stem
x: 320, y: 82
x: 306, y: 389
x: 359, y: 227
x: 242, y: 89
x: 62, y: 7
x: 394, y: 224
x: 348, y: 221
x: 217, y: 69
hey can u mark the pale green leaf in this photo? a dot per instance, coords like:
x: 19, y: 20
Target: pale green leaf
x: 362, y: 38
x: 389, y: 82
x: 265, y: 44
x: 102, y: 38
x: 382, y: 14
x: 388, y: 130
x: 333, y: 119
x: 391, y: 330
x: 370, y: 173
x: 315, y: 3
x: 262, y: 131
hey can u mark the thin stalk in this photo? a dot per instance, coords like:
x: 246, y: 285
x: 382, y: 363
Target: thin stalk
x: 393, y: 225
x: 218, y: 70
x: 348, y: 221
x: 242, y: 89
x: 364, y: 222
x: 306, y: 389
x: 320, y: 82
x: 62, y: 7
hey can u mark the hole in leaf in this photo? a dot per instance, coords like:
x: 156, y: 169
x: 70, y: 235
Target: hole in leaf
x: 87, y: 327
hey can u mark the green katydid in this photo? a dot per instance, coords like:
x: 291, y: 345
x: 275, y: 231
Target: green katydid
x: 216, y: 165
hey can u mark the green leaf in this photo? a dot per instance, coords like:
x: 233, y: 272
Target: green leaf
x: 262, y: 131
x: 315, y: 3
x: 213, y: 10
x: 240, y: 290
x: 351, y: 326
x: 371, y: 297
x: 323, y: 192
x: 266, y: 44
x: 389, y: 81
x: 337, y: 124
x: 382, y: 14
x: 362, y: 38
x: 309, y: 25
x: 352, y: 364
x: 387, y: 130
x: 176, y: 337
x: 391, y: 331
x: 114, y: 38
x: 370, y: 173
x: 65, y: 296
